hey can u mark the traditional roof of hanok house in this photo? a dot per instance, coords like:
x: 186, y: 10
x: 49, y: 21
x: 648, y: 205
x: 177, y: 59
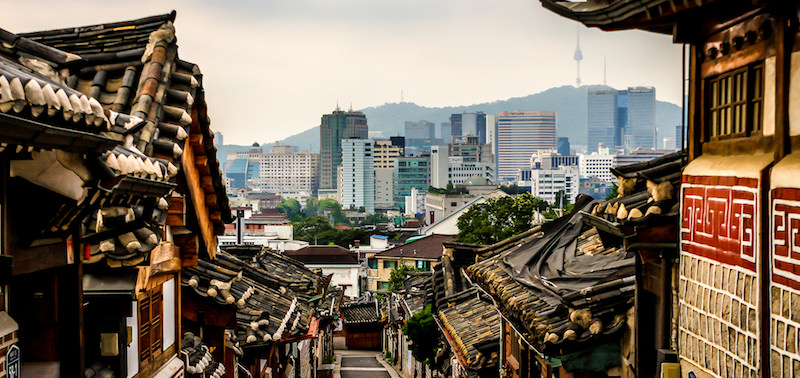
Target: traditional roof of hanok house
x: 568, y: 285
x: 127, y: 77
x: 471, y: 325
x: 270, y: 293
x: 417, y: 291
x: 323, y: 255
x: 427, y: 247
x: 652, y: 15
x: 361, y: 313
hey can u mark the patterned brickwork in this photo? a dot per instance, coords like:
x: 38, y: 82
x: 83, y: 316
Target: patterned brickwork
x: 785, y: 288
x: 6, y: 341
x: 718, y: 287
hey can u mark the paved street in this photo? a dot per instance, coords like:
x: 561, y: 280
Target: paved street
x: 361, y: 364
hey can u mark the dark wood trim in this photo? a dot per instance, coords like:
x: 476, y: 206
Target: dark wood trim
x: 785, y: 30
x: 738, y: 59
x: 155, y: 365
x: 764, y: 276
x: 740, y: 146
x: 695, y: 134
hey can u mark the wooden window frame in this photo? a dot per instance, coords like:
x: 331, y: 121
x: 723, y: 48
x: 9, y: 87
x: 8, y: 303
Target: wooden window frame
x: 735, y: 103
x: 151, y: 322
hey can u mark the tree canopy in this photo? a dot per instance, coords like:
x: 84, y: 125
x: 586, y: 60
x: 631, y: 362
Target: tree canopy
x: 398, y: 275
x: 421, y: 330
x: 499, y: 219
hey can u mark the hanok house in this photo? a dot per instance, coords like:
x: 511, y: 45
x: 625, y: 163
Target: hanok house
x: 362, y: 325
x: 591, y: 292
x: 105, y: 200
x: 739, y: 285
x: 421, y: 253
x: 413, y: 298
x: 258, y: 310
x: 341, y: 264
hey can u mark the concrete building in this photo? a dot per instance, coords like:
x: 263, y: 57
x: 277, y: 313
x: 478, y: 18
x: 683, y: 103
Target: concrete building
x: 625, y: 118
x: 420, y: 130
x: 242, y: 167
x: 638, y: 156
x: 446, y: 131
x: 334, y: 128
x: 421, y: 253
x: 519, y: 135
x: 469, y: 124
x: 596, y: 165
x: 409, y: 172
x: 387, y: 150
x: 461, y: 160
x: 358, y: 174
x: 547, y: 183
x: 340, y: 263
x: 283, y: 171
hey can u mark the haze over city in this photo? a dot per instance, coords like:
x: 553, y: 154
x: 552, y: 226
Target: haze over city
x: 272, y: 69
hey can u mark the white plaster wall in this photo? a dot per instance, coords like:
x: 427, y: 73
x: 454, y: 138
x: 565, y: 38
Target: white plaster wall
x: 794, y: 95
x: 132, y: 350
x: 168, y: 314
x: 769, y: 96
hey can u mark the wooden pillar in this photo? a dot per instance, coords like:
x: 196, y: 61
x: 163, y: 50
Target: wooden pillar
x: 695, y: 134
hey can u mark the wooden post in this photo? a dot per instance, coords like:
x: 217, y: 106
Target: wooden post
x: 695, y: 132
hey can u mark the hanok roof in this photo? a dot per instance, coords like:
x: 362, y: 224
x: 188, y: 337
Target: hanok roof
x: 271, y: 294
x: 323, y: 255
x: 472, y: 328
x: 361, y: 313
x: 126, y: 78
x: 653, y: 15
x: 429, y: 247
x: 568, y: 284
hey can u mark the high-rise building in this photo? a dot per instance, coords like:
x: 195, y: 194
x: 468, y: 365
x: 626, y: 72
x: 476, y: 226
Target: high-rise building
x: 420, y: 130
x: 409, y: 172
x: 596, y: 165
x: 469, y: 124
x: 519, y: 135
x: 460, y: 160
x: 562, y: 146
x: 603, y: 118
x: 386, y: 153
x: 680, y: 137
x: 641, y: 124
x: 242, y: 167
x: 334, y: 128
x: 622, y: 118
x: 283, y: 171
x: 358, y: 174
x: 446, y: 132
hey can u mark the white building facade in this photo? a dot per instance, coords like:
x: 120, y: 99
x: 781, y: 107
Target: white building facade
x: 597, y: 166
x: 358, y: 174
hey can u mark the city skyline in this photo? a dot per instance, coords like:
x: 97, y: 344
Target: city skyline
x: 265, y: 58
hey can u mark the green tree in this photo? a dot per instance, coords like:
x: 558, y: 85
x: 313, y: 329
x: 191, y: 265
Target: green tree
x: 398, y: 275
x: 613, y: 193
x: 311, y: 229
x: 499, y: 219
x: 312, y: 207
x: 420, y: 329
x: 291, y: 207
x: 375, y: 218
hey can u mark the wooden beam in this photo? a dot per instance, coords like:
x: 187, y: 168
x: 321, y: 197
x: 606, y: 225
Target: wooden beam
x: 695, y: 128
x: 207, y: 184
x: 201, y: 163
x: 198, y: 196
x: 177, y: 212
x: 211, y: 201
x: 196, y: 140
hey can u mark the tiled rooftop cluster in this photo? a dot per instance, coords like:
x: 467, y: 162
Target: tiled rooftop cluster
x: 271, y: 293
x: 122, y: 87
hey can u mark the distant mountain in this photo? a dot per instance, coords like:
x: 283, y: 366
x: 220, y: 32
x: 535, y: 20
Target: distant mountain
x: 568, y: 102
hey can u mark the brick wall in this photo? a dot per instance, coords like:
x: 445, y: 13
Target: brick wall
x: 785, y: 287
x: 718, y: 289
x: 8, y: 337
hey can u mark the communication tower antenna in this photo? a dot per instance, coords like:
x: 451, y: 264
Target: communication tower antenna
x: 578, y: 57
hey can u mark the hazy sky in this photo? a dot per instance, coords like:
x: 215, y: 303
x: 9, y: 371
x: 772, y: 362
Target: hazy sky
x: 273, y: 67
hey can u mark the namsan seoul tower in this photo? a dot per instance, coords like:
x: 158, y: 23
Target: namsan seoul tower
x: 578, y: 57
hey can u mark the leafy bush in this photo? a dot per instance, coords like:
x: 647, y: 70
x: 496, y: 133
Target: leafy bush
x: 420, y: 329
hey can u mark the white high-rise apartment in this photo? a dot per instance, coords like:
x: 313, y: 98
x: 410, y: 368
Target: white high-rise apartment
x: 596, y: 165
x: 284, y: 171
x: 358, y: 174
x: 546, y: 183
x: 519, y: 134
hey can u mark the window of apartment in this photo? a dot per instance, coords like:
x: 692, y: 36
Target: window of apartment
x: 150, y: 332
x: 735, y: 101
x: 389, y: 264
x: 383, y: 285
x: 423, y: 266
x: 372, y: 263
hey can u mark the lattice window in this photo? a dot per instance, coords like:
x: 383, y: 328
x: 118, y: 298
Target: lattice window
x: 150, y: 325
x: 735, y: 101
